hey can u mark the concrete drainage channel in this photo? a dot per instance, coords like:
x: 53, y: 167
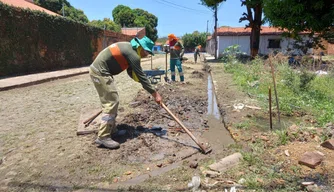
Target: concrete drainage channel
x: 218, y: 137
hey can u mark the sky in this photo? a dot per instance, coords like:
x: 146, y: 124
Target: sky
x: 174, y: 16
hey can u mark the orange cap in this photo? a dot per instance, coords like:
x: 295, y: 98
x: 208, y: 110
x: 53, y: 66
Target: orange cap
x: 172, y: 36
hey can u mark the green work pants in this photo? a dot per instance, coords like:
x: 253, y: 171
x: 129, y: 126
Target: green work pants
x: 107, y: 91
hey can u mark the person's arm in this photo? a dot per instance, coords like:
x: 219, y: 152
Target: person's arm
x: 157, y: 97
x: 182, y: 50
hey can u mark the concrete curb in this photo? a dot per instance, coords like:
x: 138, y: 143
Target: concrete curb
x: 33, y: 79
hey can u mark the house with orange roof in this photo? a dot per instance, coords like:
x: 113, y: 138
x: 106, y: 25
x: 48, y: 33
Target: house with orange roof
x: 28, y: 4
x: 270, y: 40
x: 139, y: 32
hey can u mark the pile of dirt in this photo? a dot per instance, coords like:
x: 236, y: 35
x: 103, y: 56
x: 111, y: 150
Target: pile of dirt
x: 151, y: 135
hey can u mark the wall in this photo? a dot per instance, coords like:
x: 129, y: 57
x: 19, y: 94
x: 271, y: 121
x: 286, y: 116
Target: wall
x: 33, y: 41
x: 244, y: 42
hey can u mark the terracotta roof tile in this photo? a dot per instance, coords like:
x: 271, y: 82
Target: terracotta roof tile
x: 227, y: 31
x: 24, y: 4
x: 132, y: 31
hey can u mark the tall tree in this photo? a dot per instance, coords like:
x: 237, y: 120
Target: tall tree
x: 107, y: 24
x: 57, y: 6
x: 190, y: 41
x: 123, y: 16
x: 53, y: 5
x: 315, y: 16
x: 75, y: 14
x: 147, y: 20
x: 254, y: 17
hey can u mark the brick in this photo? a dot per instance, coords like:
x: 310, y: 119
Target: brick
x: 328, y: 144
x: 311, y: 159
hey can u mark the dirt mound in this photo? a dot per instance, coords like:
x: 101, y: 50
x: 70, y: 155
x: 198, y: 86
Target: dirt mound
x: 151, y: 135
x: 197, y: 74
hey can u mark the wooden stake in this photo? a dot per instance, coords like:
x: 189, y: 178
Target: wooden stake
x: 270, y: 116
x: 275, y: 89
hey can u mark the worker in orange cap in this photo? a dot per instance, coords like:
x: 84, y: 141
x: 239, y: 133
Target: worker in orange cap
x: 197, y: 49
x: 176, y: 54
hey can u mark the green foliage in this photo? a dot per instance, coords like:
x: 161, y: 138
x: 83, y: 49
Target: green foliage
x: 123, y: 16
x: 283, y: 137
x: 147, y: 20
x: 34, y: 41
x: 107, y: 24
x: 53, y: 5
x: 230, y: 53
x: 69, y: 11
x: 75, y: 14
x: 298, y: 16
x: 190, y: 41
x: 162, y: 40
x: 211, y: 3
x: 301, y: 92
x: 127, y: 17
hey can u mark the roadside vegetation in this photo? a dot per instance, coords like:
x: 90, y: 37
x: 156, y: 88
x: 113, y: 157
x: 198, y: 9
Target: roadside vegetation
x: 305, y: 98
x: 300, y: 91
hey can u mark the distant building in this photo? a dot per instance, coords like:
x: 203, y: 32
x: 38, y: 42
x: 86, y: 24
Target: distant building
x: 139, y: 32
x: 157, y: 47
x: 270, y: 40
x: 28, y: 4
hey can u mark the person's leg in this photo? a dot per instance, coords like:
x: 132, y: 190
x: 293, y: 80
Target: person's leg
x: 179, y: 68
x: 195, y: 57
x: 109, y: 99
x: 172, y: 68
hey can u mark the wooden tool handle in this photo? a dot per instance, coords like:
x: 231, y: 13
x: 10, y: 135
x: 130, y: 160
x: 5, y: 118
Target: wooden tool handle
x: 187, y: 131
x: 89, y: 120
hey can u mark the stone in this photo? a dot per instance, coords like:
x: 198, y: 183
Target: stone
x: 328, y: 144
x: 226, y: 163
x: 286, y: 152
x: 193, y: 164
x: 313, y: 188
x: 211, y: 174
x: 171, y: 123
x: 311, y: 159
x: 306, y: 183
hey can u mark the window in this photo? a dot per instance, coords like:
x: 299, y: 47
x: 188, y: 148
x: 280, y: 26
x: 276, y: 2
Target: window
x: 274, y: 43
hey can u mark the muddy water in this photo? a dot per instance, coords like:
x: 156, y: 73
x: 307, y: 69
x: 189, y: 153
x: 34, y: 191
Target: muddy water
x: 217, y: 135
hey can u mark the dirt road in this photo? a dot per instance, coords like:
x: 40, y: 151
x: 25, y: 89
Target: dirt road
x: 40, y: 150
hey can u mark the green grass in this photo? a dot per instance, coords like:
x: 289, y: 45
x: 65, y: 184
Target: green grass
x: 298, y: 91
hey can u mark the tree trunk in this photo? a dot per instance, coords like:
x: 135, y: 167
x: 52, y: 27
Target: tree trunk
x: 256, y: 29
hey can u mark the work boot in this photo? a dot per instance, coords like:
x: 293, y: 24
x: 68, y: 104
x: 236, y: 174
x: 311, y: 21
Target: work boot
x: 107, y: 142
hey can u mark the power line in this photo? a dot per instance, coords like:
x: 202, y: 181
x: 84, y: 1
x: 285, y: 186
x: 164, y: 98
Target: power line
x: 171, y: 4
x: 182, y: 6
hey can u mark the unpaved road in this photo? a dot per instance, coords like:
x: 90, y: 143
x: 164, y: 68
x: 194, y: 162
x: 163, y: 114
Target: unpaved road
x: 41, y: 152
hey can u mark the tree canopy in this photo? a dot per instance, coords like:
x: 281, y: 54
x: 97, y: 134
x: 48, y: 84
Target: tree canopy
x: 194, y: 39
x: 107, y: 24
x: 57, y: 7
x: 297, y: 16
x: 127, y: 17
x: 211, y: 3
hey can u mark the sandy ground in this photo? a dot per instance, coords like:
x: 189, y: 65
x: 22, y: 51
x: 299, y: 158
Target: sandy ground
x: 40, y: 151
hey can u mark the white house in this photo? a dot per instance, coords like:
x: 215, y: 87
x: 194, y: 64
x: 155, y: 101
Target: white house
x: 270, y: 40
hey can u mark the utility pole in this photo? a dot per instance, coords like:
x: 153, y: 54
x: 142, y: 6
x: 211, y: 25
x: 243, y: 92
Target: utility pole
x: 207, y: 27
x: 216, y: 20
x: 63, y: 9
x: 215, y: 36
